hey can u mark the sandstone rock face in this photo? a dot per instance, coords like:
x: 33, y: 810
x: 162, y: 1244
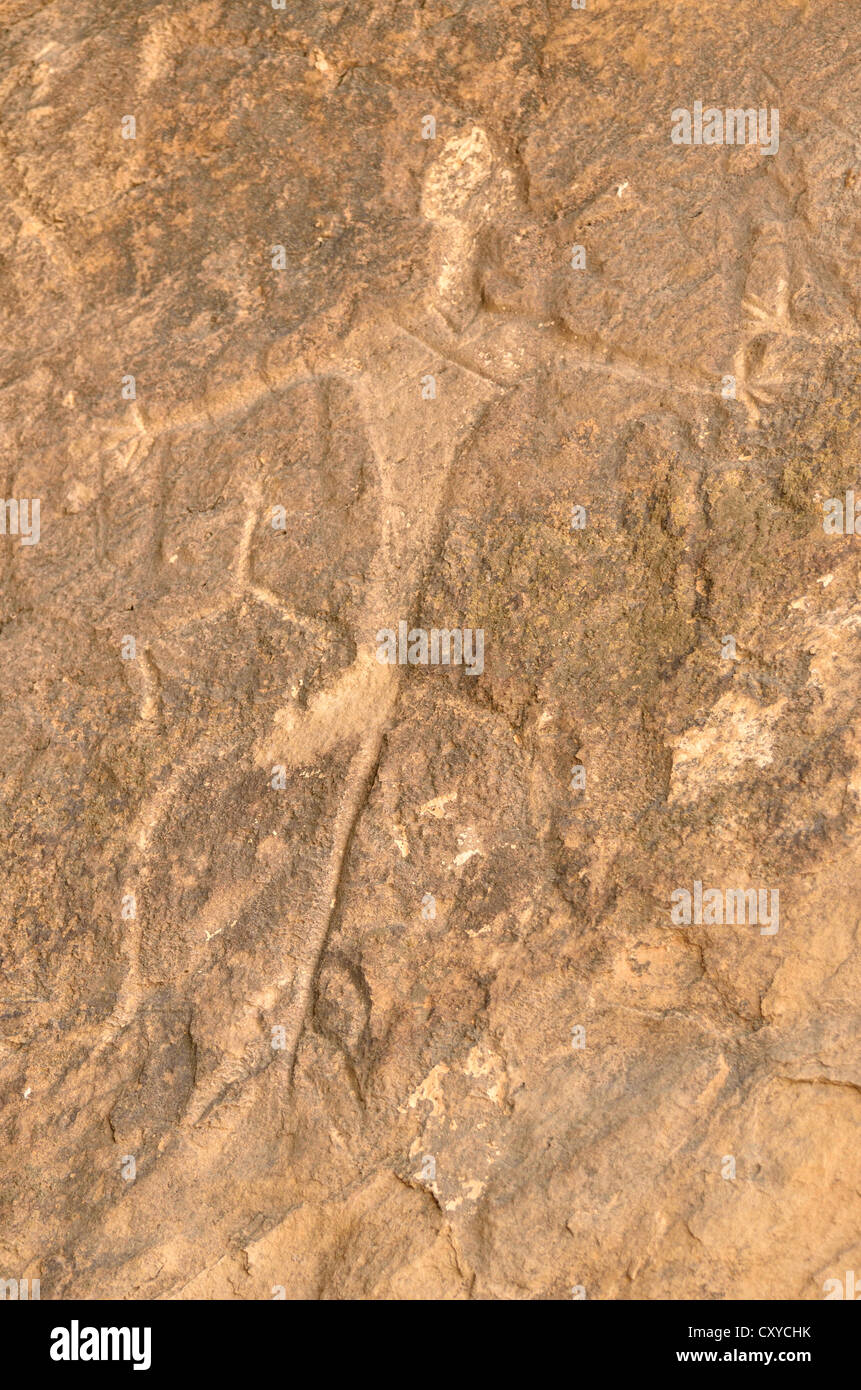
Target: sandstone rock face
x: 329, y: 976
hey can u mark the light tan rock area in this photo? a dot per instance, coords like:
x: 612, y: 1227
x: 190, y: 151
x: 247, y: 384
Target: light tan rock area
x: 429, y: 649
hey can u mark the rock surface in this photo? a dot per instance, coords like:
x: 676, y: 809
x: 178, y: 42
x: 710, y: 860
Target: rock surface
x: 309, y: 937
